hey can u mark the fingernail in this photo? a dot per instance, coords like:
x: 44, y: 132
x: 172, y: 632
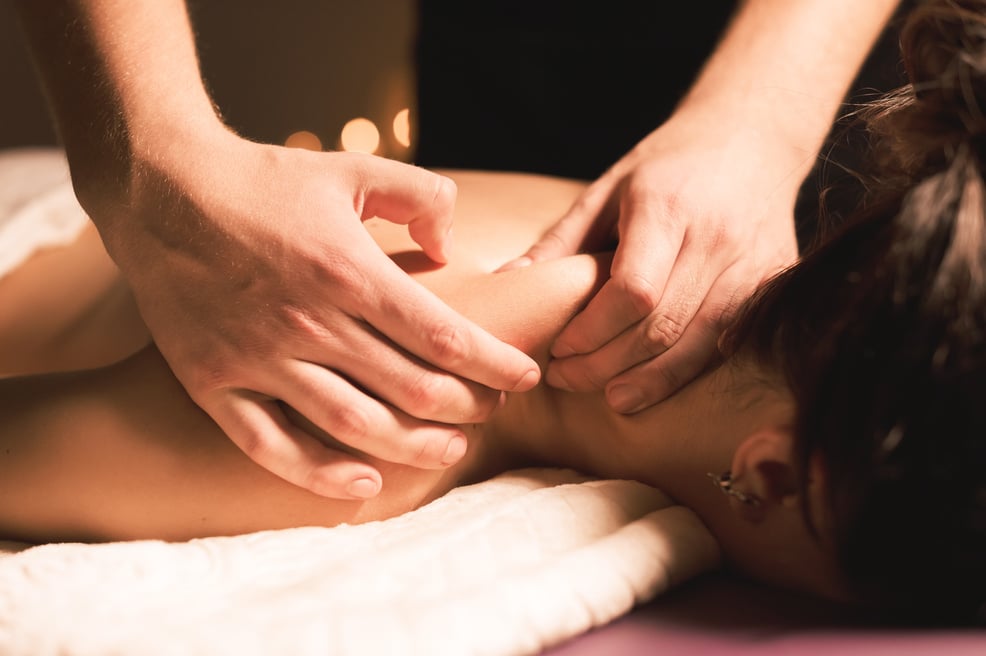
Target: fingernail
x: 455, y: 450
x: 625, y: 398
x: 363, y: 488
x: 529, y: 380
x: 557, y: 380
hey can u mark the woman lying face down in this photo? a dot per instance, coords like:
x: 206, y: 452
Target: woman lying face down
x: 845, y: 423
x: 118, y: 451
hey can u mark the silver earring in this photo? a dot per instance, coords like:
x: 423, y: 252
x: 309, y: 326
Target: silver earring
x: 724, y: 482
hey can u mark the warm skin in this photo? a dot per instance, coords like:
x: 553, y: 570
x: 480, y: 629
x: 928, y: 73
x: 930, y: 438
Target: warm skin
x: 195, y: 216
x: 121, y: 452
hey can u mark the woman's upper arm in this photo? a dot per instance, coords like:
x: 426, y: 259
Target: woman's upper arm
x: 123, y: 453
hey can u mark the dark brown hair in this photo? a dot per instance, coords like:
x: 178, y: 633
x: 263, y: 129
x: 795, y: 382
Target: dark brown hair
x: 880, y: 334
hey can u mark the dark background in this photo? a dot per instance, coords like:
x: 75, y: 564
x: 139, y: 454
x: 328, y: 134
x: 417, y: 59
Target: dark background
x: 272, y: 67
x: 275, y: 68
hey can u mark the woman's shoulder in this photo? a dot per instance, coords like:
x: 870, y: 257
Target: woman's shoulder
x: 498, y: 216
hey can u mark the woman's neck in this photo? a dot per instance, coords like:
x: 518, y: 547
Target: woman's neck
x: 672, y: 445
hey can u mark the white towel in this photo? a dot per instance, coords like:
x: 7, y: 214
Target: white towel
x: 509, y: 566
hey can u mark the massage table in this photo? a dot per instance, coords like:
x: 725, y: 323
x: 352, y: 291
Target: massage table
x: 532, y: 561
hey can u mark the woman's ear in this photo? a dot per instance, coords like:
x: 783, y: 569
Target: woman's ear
x: 763, y: 468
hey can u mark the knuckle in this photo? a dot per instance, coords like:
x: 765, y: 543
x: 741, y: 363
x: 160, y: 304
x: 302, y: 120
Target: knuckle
x: 661, y: 334
x: 298, y: 324
x: 256, y: 445
x: 350, y: 423
x: 207, y: 376
x: 299, y: 321
x: 325, y: 267
x: 641, y: 292
x: 448, y: 342
x: 426, y: 396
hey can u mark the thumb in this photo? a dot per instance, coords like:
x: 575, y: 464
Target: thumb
x: 574, y: 231
x: 410, y: 195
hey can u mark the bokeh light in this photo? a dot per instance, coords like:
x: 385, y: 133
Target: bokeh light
x: 360, y: 135
x: 402, y: 127
x: 304, y: 139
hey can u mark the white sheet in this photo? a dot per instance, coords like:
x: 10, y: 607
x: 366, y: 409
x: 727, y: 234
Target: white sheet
x: 508, y: 566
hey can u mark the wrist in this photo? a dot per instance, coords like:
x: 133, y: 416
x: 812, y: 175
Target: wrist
x: 105, y: 166
x: 140, y: 185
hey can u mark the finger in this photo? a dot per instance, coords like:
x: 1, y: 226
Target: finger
x: 348, y: 415
x: 654, y: 380
x: 649, y: 246
x: 649, y: 337
x: 406, y: 194
x: 692, y: 281
x: 262, y: 431
x: 563, y: 238
x: 406, y: 382
x: 599, y: 202
x: 418, y: 321
x: 582, y: 223
x: 644, y: 340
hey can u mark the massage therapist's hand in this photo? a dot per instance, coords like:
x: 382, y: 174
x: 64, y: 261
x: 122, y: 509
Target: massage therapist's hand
x: 262, y: 290
x: 703, y: 212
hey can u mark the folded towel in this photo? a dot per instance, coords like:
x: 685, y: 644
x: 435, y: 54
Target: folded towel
x: 508, y: 566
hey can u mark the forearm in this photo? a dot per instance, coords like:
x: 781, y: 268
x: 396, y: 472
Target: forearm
x: 783, y: 67
x: 123, y: 82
